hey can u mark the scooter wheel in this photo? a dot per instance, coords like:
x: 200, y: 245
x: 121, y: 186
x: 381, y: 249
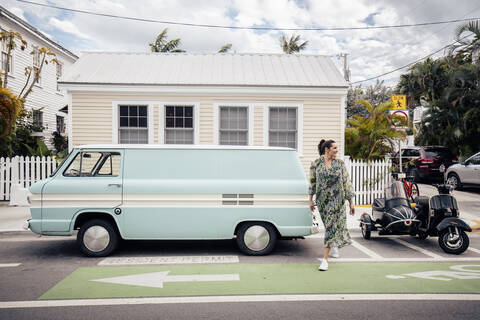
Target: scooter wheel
x: 451, y: 242
x: 366, y: 226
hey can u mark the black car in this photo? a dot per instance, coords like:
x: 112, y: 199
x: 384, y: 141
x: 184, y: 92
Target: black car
x: 426, y: 162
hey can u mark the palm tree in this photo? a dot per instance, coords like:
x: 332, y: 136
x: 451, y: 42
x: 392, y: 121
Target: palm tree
x: 225, y: 48
x: 162, y: 45
x: 372, y: 137
x: 467, y: 47
x: 292, y: 45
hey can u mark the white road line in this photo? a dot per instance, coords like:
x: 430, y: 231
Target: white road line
x: 367, y: 251
x: 417, y: 248
x: 232, y: 299
x: 473, y: 250
x: 457, y: 259
x: 9, y: 265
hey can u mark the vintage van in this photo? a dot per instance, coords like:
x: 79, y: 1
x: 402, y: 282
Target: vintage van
x: 108, y: 192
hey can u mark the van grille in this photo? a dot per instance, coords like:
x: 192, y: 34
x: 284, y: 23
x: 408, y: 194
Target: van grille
x: 243, y: 199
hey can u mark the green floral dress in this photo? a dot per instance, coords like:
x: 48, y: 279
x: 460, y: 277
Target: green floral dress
x: 332, y: 188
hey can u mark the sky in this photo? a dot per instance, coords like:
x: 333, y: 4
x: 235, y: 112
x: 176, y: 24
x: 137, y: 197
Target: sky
x: 370, y: 52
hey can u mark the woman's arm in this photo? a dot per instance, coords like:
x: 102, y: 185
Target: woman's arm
x: 313, y: 185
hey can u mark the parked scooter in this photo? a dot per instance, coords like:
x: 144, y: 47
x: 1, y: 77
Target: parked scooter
x: 391, y: 214
x: 439, y: 216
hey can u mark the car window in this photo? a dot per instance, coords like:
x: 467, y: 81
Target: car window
x: 475, y: 159
x: 410, y: 153
x: 438, y: 153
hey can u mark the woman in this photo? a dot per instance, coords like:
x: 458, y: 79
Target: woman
x: 330, y: 184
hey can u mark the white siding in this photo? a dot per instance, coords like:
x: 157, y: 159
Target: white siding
x: 45, y: 95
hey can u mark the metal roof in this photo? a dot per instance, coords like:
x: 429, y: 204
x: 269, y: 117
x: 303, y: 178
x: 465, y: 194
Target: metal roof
x: 214, y: 69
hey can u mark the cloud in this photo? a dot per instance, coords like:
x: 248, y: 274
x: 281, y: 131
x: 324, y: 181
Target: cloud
x: 370, y: 52
x: 68, y: 27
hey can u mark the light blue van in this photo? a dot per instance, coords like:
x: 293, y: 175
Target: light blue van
x: 109, y: 192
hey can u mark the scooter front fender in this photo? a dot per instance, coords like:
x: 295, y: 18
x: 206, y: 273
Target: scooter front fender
x: 453, y: 222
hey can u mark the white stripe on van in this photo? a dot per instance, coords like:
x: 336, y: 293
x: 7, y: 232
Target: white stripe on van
x: 171, y: 201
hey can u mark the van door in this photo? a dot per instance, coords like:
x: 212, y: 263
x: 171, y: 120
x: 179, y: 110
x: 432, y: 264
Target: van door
x: 91, y: 181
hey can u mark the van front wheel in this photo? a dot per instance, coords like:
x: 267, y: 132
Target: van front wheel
x: 256, y: 238
x: 97, y: 238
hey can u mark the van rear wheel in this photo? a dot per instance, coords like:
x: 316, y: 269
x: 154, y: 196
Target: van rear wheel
x: 256, y: 238
x: 97, y: 238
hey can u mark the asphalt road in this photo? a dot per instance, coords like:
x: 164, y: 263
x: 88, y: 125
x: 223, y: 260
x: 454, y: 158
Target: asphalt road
x: 46, y: 263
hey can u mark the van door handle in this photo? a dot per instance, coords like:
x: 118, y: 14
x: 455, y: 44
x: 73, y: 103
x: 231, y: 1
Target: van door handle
x: 115, y: 184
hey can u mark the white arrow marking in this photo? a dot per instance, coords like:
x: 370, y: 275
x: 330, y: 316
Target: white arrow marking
x: 156, y: 279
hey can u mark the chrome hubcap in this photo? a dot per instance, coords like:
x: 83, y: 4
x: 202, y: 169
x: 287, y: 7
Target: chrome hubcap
x: 453, y: 240
x: 96, y: 238
x: 453, y: 182
x: 256, y: 238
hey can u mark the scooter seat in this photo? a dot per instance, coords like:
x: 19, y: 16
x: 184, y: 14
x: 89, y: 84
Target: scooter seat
x: 378, y: 204
x: 443, y: 201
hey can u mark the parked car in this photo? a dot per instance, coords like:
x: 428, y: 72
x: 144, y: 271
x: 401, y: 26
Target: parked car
x: 465, y: 174
x: 425, y: 162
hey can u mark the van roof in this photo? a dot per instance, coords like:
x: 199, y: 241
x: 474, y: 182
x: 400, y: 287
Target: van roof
x: 178, y: 146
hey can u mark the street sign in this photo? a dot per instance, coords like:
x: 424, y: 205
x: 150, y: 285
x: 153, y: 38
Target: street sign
x: 399, y: 102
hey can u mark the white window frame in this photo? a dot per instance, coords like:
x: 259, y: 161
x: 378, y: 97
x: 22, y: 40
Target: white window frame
x: 4, y: 50
x: 266, y: 122
x: 161, y: 119
x: 216, y: 119
x: 116, y: 117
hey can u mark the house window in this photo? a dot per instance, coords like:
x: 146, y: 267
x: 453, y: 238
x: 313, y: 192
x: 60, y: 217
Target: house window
x: 36, y: 64
x: 233, y: 126
x: 59, y: 69
x: 282, y: 129
x: 178, y: 124
x: 133, y: 128
x: 37, y: 116
x: 60, y: 124
x: 4, y: 57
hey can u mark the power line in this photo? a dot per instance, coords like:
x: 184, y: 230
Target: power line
x: 411, y: 63
x: 246, y: 28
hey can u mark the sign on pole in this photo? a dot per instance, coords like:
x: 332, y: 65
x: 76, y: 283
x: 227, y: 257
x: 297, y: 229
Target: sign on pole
x: 399, y: 102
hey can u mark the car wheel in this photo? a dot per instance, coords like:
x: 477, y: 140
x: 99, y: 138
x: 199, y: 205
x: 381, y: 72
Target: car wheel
x: 452, y: 242
x: 256, y: 238
x: 97, y: 238
x: 366, y: 226
x: 454, y: 180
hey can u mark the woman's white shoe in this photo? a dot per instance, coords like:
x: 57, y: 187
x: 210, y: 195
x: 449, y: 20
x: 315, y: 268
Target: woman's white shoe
x: 334, y: 252
x: 323, y: 265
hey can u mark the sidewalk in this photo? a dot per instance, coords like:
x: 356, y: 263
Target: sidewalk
x: 12, y: 218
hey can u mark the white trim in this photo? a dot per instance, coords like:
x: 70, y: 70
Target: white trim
x: 208, y: 90
x: 343, y: 111
x: 216, y: 119
x: 69, y: 121
x: 161, y: 118
x: 116, y: 120
x: 299, y: 106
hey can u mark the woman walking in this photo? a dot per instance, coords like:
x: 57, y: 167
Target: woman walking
x: 330, y: 184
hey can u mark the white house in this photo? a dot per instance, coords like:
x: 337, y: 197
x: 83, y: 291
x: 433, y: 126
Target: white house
x: 48, y: 102
x: 235, y: 99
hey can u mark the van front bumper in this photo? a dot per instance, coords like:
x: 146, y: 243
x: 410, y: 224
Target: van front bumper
x: 34, y: 225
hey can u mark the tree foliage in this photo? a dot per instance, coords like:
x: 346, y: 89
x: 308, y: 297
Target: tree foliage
x: 449, y: 87
x: 225, y: 48
x: 374, y: 94
x: 373, y: 136
x: 293, y: 44
x: 162, y: 44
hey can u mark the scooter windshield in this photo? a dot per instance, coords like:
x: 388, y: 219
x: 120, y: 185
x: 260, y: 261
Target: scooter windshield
x: 395, y: 191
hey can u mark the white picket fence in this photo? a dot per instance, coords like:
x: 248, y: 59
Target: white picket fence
x: 24, y: 171
x: 368, y: 178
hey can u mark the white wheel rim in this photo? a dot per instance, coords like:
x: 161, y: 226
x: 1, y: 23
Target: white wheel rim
x: 256, y: 238
x: 96, y: 238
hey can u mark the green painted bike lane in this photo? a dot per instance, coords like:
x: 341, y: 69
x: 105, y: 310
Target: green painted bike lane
x: 186, y: 280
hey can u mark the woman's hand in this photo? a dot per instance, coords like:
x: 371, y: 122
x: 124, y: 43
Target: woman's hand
x: 312, y: 205
x: 352, y: 211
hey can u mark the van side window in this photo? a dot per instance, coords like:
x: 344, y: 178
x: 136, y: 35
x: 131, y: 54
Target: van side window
x: 89, y: 164
x: 110, y: 165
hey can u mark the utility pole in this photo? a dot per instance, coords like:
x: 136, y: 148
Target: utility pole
x: 346, y: 71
